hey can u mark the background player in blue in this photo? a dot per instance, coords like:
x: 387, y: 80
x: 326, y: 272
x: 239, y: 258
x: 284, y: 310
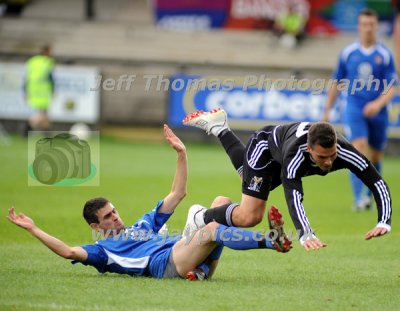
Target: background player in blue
x: 370, y: 69
x: 141, y: 251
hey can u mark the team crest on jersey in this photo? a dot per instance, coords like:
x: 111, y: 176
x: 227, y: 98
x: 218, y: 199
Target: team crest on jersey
x: 378, y: 60
x: 255, y: 184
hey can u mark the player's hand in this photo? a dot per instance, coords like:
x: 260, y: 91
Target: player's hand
x: 313, y: 244
x: 20, y: 220
x: 375, y: 233
x: 173, y: 140
x: 371, y: 109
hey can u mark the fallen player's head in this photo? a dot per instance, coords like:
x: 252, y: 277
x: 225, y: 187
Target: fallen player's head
x: 100, y: 214
x: 321, y: 144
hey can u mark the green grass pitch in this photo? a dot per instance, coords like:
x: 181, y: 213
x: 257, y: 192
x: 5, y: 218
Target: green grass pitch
x: 349, y: 274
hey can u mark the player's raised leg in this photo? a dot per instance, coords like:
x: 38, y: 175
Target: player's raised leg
x: 216, y: 122
x: 206, y: 269
x: 212, y: 122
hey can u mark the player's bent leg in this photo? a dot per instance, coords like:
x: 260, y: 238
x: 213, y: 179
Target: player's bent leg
x: 249, y: 213
x: 189, y: 254
x: 196, y: 215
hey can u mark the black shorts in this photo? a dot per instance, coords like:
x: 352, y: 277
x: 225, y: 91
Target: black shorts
x: 261, y: 173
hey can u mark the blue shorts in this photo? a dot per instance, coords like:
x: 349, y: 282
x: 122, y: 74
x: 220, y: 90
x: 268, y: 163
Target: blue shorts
x: 373, y: 129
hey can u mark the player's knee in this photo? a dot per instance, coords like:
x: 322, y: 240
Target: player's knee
x: 220, y: 200
x: 376, y: 156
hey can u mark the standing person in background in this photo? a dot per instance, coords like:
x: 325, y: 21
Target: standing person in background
x: 396, y: 34
x: 366, y: 114
x: 290, y: 25
x: 39, y: 88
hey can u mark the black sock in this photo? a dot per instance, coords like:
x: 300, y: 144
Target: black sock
x: 221, y: 214
x: 234, y: 148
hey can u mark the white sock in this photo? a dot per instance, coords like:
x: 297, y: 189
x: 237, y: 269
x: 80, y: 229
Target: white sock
x: 216, y: 130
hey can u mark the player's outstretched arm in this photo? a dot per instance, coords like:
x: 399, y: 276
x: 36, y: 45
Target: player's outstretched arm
x: 178, y: 189
x: 57, y: 246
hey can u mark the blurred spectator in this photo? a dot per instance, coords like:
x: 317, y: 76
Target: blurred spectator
x: 39, y: 88
x: 89, y: 10
x: 290, y: 26
x: 397, y: 35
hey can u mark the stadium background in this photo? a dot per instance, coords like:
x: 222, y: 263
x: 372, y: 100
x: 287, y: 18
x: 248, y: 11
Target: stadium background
x: 180, y: 39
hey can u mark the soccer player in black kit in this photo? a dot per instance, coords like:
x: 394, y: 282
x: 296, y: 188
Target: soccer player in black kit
x: 284, y: 154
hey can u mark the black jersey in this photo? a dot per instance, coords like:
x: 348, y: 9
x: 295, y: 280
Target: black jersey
x: 279, y: 155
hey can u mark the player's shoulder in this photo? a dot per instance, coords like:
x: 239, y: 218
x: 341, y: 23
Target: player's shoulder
x: 349, y: 49
x: 384, y: 51
x: 296, y: 136
x: 381, y: 45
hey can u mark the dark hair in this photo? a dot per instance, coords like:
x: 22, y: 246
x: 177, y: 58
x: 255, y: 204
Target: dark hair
x: 368, y: 12
x: 323, y: 134
x: 91, y: 207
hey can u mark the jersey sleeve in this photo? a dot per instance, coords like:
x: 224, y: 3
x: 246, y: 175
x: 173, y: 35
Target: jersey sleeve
x: 96, y: 257
x: 153, y: 220
x: 340, y: 71
x: 293, y: 188
x: 365, y: 170
x: 390, y: 72
x: 293, y: 160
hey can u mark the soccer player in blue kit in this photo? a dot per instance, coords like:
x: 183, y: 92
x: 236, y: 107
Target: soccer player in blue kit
x: 140, y: 250
x: 369, y: 67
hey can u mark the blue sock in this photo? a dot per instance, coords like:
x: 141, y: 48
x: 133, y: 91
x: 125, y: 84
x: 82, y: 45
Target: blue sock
x: 241, y: 239
x: 357, y: 186
x: 216, y: 253
x: 205, y: 268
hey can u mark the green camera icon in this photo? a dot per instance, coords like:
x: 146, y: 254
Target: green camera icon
x: 62, y: 156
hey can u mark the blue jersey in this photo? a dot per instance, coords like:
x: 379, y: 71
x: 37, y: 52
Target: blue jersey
x: 138, y: 250
x: 373, y: 66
